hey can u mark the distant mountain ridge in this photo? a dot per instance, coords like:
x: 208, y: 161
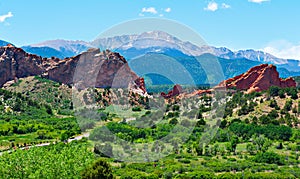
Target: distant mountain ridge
x: 259, y: 56
x: 132, y: 46
x: 46, y: 52
x: 58, y: 48
x: 146, y: 40
x: 158, y: 40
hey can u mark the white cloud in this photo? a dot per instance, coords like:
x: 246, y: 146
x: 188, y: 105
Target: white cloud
x: 168, y: 9
x: 225, y: 6
x: 161, y: 15
x: 141, y: 14
x: 212, y: 6
x: 258, y: 1
x: 5, y: 16
x: 151, y: 10
x: 283, y: 49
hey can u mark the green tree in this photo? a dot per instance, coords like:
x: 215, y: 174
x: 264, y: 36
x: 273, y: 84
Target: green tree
x: 99, y: 169
x: 48, y: 109
x: 264, y: 119
x: 281, y: 93
x: 251, y: 148
x: 262, y: 143
x: 273, y: 91
x: 173, y: 121
x: 273, y: 114
x: 288, y: 105
x: 269, y: 157
x: 233, y: 142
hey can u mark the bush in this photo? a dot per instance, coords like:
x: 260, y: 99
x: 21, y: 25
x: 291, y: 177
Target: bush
x: 232, y: 159
x: 272, y: 132
x: 136, y: 109
x: 266, y: 176
x: 99, y: 169
x: 198, y: 175
x: 186, y: 161
x: 173, y: 121
x: 227, y: 176
x: 133, y: 174
x: 269, y: 157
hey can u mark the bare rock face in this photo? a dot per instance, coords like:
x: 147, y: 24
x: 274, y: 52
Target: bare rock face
x: 15, y: 63
x: 177, y: 89
x: 257, y: 79
x: 140, y: 82
x: 89, y: 69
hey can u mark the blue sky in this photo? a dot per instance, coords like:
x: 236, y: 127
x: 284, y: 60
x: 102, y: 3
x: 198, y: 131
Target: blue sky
x: 269, y: 25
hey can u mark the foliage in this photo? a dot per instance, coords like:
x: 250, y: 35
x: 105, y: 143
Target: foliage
x: 99, y: 169
x: 269, y: 157
x: 54, y: 161
x: 272, y: 132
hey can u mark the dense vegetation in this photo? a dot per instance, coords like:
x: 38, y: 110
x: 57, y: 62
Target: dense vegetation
x: 258, y: 136
x: 54, y: 161
x: 25, y: 121
x: 57, y: 95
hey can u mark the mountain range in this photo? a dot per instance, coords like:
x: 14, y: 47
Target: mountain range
x: 149, y: 45
x: 58, y: 48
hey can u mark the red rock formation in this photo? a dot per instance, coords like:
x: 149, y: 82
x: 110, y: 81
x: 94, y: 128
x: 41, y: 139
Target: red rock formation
x: 140, y: 82
x: 15, y: 63
x: 177, y: 89
x: 258, y: 78
x: 89, y: 69
x: 201, y: 92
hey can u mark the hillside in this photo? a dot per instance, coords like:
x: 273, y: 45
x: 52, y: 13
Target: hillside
x: 26, y: 121
x: 57, y: 95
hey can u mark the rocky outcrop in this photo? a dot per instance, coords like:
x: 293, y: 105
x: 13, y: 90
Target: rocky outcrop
x: 15, y: 63
x: 257, y: 79
x: 177, y: 89
x: 140, y: 82
x: 89, y: 69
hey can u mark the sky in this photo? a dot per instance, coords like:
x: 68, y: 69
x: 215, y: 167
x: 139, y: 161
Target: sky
x: 269, y: 25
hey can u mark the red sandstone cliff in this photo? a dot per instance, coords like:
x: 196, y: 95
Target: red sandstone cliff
x: 258, y: 78
x: 89, y: 69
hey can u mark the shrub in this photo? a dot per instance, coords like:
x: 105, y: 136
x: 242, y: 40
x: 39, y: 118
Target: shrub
x: 136, y: 109
x: 186, y: 161
x: 269, y: 157
x: 99, y: 169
